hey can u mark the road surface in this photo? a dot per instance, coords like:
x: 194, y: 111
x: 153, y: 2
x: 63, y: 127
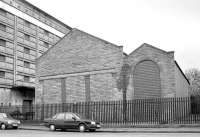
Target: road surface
x: 41, y: 133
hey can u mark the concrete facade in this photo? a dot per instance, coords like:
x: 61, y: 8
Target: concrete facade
x: 22, y: 40
x: 82, y: 67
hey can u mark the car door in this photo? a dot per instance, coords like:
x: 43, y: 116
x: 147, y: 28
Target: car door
x: 70, y: 122
x: 1, y: 117
x: 60, y: 120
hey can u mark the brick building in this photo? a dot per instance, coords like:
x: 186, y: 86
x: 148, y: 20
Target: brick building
x: 82, y: 67
x: 26, y: 32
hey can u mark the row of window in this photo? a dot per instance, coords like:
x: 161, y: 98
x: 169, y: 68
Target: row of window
x: 8, y: 104
x: 3, y: 59
x: 28, y: 24
x: 26, y: 36
x: 26, y: 50
x: 3, y: 75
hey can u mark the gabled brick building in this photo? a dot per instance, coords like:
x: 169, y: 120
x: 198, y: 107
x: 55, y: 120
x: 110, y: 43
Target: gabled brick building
x: 82, y: 67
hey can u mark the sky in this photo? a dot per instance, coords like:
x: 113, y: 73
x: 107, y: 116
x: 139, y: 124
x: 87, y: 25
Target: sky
x: 171, y: 25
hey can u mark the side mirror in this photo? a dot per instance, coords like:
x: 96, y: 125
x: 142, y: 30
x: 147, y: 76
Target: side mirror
x: 74, y: 118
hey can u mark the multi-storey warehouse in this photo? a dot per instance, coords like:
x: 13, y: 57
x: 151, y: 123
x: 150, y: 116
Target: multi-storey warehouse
x: 26, y: 32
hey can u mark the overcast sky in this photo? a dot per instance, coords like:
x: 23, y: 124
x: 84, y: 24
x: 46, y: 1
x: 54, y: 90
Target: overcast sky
x: 172, y: 25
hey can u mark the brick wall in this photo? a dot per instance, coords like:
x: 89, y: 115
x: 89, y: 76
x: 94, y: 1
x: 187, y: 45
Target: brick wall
x: 104, y: 87
x: 78, y: 56
x: 79, y: 52
x: 52, y: 91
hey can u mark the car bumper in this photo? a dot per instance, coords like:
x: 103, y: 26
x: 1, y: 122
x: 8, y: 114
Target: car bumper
x: 97, y: 126
x: 12, y: 125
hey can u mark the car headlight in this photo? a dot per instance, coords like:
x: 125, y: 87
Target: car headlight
x: 10, y: 121
x: 93, y: 123
x: 18, y: 122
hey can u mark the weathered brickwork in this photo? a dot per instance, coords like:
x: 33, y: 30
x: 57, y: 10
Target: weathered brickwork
x: 50, y: 91
x: 104, y: 87
x: 79, y: 52
x: 75, y: 89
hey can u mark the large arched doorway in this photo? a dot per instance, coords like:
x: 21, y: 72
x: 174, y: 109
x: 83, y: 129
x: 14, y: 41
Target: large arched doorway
x: 146, y: 78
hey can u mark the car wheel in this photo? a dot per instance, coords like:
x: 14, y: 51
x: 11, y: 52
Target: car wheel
x: 81, y: 127
x: 92, y: 130
x: 3, y: 126
x: 52, y: 127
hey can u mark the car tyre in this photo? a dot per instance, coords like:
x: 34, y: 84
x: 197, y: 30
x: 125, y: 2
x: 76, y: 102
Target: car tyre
x: 15, y: 127
x: 3, y: 126
x: 52, y: 127
x: 92, y: 130
x: 81, y: 127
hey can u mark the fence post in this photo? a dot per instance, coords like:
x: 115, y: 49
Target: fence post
x: 42, y: 112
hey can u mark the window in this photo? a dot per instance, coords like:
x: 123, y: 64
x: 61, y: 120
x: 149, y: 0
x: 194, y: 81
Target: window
x: 26, y: 64
x: 69, y: 116
x: 46, y: 44
x: 26, y: 37
x: 2, y: 42
x: 1, y: 116
x: 27, y: 24
x: 2, y: 58
x: 60, y: 116
x: 2, y: 27
x: 26, y: 78
x: 26, y: 50
x: 2, y: 74
x: 3, y: 12
x: 46, y: 33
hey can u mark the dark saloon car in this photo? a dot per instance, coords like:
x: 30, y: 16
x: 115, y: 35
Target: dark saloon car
x: 6, y: 121
x: 70, y: 120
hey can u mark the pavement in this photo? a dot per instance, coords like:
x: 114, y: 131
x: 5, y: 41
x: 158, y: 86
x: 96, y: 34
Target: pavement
x: 134, y: 129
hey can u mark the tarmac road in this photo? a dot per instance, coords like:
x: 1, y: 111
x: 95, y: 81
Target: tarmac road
x: 43, y: 133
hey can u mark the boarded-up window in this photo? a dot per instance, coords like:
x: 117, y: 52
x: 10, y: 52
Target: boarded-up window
x: 26, y: 78
x: 26, y: 64
x: 26, y: 50
x: 26, y: 37
x: 2, y: 58
x: 3, y: 12
x: 2, y: 74
x: 2, y: 27
x: 146, y: 79
x: 2, y: 42
x: 46, y: 33
x: 27, y: 24
x: 46, y: 45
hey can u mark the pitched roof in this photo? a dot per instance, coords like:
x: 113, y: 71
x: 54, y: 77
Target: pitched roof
x: 71, y: 31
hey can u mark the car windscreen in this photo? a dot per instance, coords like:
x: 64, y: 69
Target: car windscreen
x: 77, y: 116
x: 4, y: 115
x: 8, y: 116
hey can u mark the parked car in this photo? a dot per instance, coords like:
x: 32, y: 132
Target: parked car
x: 6, y: 121
x: 68, y: 120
